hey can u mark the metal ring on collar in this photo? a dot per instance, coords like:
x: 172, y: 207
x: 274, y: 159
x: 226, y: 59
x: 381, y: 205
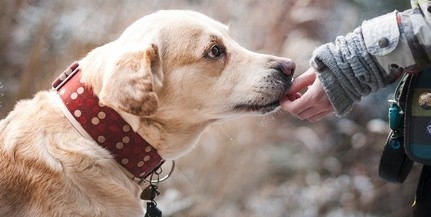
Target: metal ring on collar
x: 157, y: 173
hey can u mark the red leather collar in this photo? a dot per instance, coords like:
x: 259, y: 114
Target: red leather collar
x: 105, y: 126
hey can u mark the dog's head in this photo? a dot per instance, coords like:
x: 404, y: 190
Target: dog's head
x: 181, y: 70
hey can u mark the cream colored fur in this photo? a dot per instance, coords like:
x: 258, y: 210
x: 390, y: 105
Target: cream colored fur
x: 164, y: 76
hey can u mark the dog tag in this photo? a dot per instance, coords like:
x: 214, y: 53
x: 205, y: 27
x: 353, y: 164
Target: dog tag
x: 147, y: 193
x: 152, y: 210
x: 150, y: 192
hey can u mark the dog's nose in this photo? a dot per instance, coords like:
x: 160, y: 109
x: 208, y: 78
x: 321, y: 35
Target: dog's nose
x: 287, y: 67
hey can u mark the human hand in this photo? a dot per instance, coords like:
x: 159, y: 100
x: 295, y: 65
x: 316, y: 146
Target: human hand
x: 312, y: 105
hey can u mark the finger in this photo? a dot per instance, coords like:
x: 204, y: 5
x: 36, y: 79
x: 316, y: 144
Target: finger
x: 319, y: 116
x: 302, y: 81
x: 315, y: 113
x: 293, y: 97
x: 290, y: 97
x: 309, y: 112
x: 294, y: 107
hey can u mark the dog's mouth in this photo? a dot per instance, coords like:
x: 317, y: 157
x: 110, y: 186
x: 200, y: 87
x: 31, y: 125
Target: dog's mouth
x: 261, y: 108
x: 264, y: 96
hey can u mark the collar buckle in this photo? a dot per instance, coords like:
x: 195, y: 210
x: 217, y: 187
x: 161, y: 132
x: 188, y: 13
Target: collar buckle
x: 65, y: 76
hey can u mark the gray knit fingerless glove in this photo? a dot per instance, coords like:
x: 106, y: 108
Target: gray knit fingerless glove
x: 347, y: 71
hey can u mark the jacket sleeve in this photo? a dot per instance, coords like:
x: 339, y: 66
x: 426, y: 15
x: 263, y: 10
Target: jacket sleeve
x: 374, y: 55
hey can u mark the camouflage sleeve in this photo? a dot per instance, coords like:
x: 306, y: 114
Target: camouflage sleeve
x: 415, y: 26
x: 374, y: 55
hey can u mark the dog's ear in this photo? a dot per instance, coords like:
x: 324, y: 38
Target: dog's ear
x: 129, y: 84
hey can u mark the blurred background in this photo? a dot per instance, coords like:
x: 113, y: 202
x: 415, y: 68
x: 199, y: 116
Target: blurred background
x: 270, y: 166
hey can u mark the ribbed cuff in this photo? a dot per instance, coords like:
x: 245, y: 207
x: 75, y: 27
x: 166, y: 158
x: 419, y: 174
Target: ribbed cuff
x: 333, y: 89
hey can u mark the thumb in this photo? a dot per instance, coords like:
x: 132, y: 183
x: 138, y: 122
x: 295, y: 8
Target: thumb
x: 302, y: 81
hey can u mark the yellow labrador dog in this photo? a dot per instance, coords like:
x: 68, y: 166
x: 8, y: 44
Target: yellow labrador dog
x: 83, y: 148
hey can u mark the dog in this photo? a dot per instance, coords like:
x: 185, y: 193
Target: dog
x: 153, y: 90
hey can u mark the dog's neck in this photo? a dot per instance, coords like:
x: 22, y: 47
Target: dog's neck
x: 104, y: 125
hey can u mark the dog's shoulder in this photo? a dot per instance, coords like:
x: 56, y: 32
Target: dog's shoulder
x: 41, y: 151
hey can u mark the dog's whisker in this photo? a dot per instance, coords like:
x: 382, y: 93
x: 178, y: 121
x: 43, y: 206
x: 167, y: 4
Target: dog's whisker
x: 225, y: 132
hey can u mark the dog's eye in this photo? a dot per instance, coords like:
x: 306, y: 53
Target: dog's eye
x: 216, y: 51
